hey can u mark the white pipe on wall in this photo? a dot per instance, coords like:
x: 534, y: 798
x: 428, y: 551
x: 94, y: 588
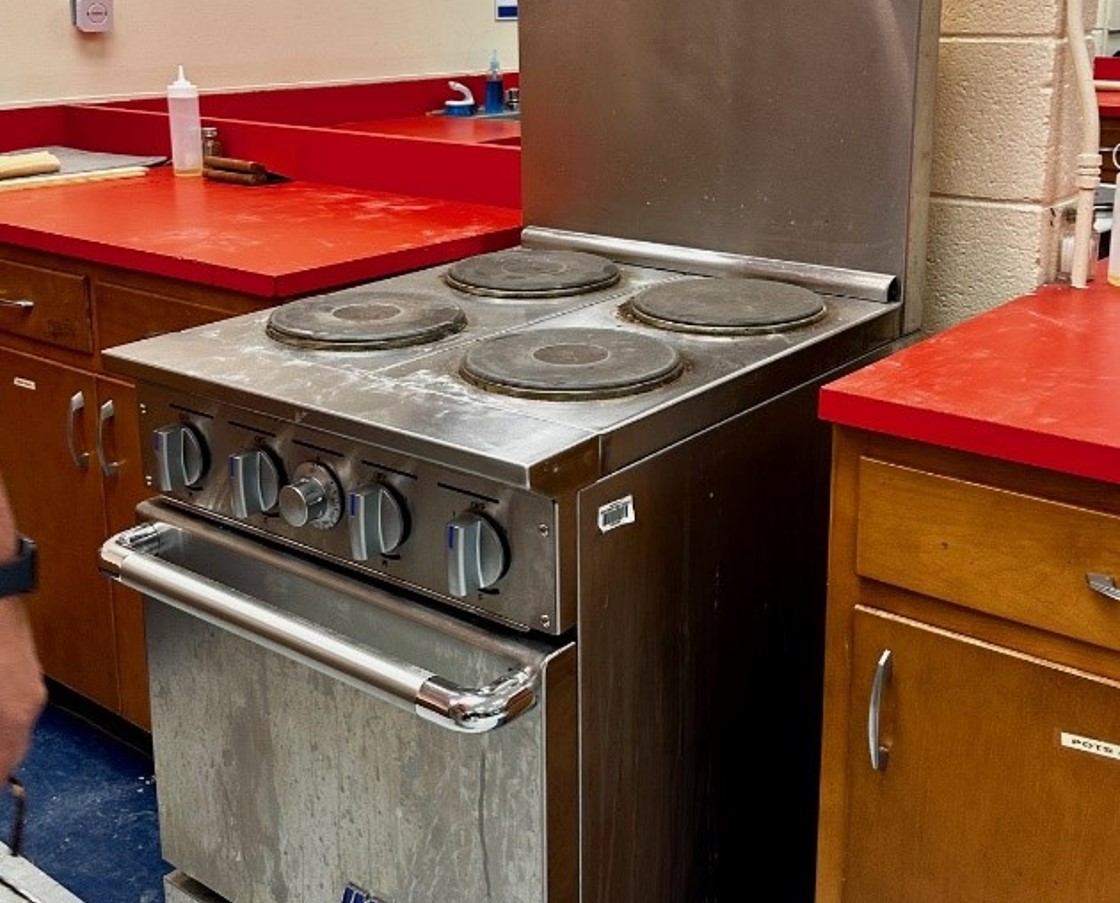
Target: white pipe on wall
x: 1089, y: 160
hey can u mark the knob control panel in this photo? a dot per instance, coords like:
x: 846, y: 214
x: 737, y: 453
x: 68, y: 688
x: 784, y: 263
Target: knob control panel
x: 313, y: 498
x: 476, y: 554
x: 385, y: 514
x: 378, y: 520
x: 181, y: 456
x: 255, y: 480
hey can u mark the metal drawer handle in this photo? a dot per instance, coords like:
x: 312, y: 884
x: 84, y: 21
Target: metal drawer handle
x: 879, y: 753
x: 109, y: 468
x: 1105, y: 585
x: 131, y: 558
x: 77, y: 405
x: 18, y: 303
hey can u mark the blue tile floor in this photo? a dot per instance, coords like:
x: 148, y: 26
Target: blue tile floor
x: 90, y: 811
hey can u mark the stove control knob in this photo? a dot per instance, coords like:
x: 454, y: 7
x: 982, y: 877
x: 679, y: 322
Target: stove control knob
x: 255, y: 479
x: 181, y: 458
x: 313, y: 498
x: 476, y: 554
x: 378, y: 521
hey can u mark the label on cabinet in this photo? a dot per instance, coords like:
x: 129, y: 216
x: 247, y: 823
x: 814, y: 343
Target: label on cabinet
x: 1089, y: 745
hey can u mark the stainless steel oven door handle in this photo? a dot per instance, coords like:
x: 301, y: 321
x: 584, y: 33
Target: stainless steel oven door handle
x: 132, y: 558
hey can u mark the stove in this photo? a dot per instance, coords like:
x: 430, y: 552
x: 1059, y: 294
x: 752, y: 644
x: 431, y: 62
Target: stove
x: 552, y: 370
x: 504, y: 580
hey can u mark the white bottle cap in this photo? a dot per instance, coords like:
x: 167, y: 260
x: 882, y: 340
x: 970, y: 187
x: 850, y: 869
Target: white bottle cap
x: 181, y: 87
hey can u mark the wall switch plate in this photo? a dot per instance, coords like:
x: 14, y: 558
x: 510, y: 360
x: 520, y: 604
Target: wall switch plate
x: 91, y: 15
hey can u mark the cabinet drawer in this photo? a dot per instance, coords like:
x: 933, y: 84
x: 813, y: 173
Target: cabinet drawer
x: 45, y: 305
x: 1017, y: 556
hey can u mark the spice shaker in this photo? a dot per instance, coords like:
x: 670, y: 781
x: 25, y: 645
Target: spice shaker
x: 211, y: 143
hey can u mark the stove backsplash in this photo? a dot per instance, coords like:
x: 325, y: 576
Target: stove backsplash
x: 796, y: 131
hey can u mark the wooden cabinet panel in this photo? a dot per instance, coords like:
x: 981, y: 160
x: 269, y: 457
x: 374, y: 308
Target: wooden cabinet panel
x: 1110, y: 138
x: 993, y: 789
x: 46, y: 305
x: 1010, y: 554
x: 126, y: 314
x: 124, y: 490
x: 58, y: 502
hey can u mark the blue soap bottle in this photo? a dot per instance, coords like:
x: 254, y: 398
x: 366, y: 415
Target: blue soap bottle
x: 494, y: 101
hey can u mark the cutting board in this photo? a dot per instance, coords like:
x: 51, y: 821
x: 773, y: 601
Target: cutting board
x: 78, y: 165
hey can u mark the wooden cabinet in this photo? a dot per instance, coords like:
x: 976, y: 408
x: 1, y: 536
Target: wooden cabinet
x: 55, y: 485
x: 1110, y: 138
x: 971, y: 745
x: 70, y: 453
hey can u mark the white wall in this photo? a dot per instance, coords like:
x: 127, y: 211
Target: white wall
x: 225, y: 45
x: 1006, y: 133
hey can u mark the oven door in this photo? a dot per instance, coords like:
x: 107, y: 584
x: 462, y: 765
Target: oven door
x: 318, y: 738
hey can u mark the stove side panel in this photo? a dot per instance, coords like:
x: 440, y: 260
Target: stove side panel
x: 700, y: 646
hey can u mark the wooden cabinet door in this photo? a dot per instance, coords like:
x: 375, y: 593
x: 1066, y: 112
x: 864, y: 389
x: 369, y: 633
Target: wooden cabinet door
x: 48, y: 415
x: 119, y: 445
x: 1002, y: 777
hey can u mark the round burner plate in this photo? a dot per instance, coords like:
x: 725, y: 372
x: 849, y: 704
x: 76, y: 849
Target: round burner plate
x: 727, y: 306
x: 570, y: 364
x: 526, y: 273
x: 365, y: 320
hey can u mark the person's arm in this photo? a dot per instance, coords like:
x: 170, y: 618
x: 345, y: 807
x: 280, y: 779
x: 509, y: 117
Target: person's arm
x: 22, y: 692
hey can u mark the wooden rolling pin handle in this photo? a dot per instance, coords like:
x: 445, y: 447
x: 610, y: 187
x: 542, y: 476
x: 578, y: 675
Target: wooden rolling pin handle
x: 232, y: 164
x: 235, y: 178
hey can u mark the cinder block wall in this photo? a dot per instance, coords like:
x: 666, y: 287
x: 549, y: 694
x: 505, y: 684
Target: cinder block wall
x: 1007, y: 130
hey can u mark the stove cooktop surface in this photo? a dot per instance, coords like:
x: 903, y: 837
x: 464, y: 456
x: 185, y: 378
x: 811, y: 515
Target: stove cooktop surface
x: 503, y: 382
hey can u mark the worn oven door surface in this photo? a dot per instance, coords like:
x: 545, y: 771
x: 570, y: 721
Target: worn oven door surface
x: 319, y: 739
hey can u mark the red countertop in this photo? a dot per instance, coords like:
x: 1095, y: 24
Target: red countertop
x: 1108, y: 104
x: 1106, y: 68
x: 377, y: 188
x: 1034, y: 381
x: 274, y: 240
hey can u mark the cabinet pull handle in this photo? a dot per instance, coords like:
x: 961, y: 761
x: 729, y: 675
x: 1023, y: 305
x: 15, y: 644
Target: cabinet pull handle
x: 109, y: 468
x: 77, y: 405
x: 18, y: 303
x: 1105, y: 585
x: 879, y: 753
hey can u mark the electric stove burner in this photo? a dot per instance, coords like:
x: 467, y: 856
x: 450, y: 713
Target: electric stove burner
x: 570, y: 364
x: 365, y: 320
x: 527, y: 273
x: 726, y: 306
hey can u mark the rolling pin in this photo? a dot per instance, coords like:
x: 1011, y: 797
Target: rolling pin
x: 235, y: 178
x: 68, y: 178
x: 30, y: 164
x: 232, y: 164
x: 230, y: 169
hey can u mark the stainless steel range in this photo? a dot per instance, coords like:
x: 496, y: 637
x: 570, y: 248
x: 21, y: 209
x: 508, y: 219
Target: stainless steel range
x: 504, y: 581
